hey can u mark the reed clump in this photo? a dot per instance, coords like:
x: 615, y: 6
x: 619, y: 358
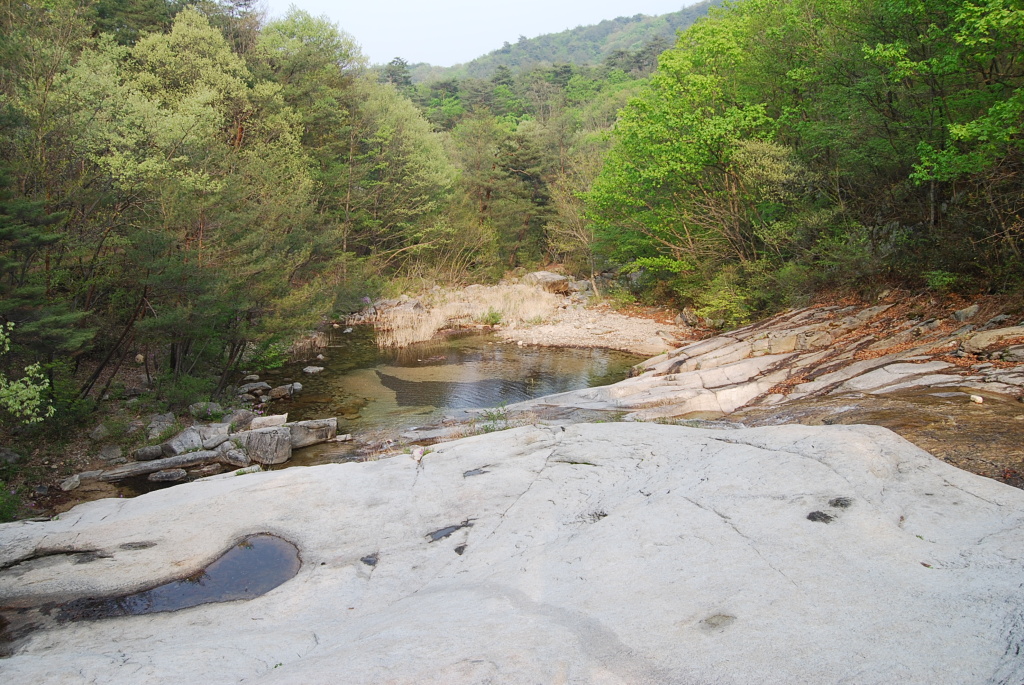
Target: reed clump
x: 512, y: 305
x: 307, y: 348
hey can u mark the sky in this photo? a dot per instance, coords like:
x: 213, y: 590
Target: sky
x: 447, y: 32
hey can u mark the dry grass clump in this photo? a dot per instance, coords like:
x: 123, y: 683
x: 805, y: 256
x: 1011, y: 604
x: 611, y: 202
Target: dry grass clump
x: 511, y: 305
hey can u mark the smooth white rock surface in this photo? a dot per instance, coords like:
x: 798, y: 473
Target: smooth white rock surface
x: 603, y: 553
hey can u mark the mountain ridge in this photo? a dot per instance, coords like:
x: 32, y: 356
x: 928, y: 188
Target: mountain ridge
x: 588, y: 44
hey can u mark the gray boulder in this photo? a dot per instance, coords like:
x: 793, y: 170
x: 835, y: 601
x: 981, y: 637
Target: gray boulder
x: 546, y: 280
x: 188, y: 440
x: 687, y: 317
x: 235, y: 457
x: 254, y: 388
x: 159, y: 424
x: 111, y: 453
x: 99, y: 433
x: 148, y: 453
x: 239, y: 419
x: 205, y: 410
x: 266, y: 445
x: 313, y: 369
x: 1013, y: 354
x: 306, y: 433
x: 214, y: 434
x: 268, y: 421
x: 9, y: 456
x: 168, y: 476
x: 981, y: 341
x: 967, y: 313
x: 280, y: 392
x: 71, y: 483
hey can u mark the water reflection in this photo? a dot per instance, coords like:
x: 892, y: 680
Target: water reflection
x: 252, y: 568
x: 397, y: 389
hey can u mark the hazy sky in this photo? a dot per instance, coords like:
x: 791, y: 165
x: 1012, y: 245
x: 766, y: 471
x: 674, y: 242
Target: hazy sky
x: 447, y: 32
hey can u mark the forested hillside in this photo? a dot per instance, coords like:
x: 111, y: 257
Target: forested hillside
x: 195, y: 186
x: 611, y: 40
x: 783, y: 147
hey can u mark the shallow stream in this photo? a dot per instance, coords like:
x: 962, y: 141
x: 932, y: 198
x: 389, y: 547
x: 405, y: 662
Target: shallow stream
x: 378, y: 393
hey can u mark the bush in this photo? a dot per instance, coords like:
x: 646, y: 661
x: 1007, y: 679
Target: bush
x: 10, y: 503
x: 185, y: 390
x: 941, y: 281
x: 491, y: 318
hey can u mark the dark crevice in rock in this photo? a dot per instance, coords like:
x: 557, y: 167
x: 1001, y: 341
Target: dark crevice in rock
x: 442, y: 533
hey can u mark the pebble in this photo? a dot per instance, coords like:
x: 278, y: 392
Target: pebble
x: 977, y: 399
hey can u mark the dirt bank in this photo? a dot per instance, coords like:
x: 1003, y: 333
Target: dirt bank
x: 640, y: 331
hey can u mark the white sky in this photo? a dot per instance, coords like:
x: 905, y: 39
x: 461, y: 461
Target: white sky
x: 447, y: 32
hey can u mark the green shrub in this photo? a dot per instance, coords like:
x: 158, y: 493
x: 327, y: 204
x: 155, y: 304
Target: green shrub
x: 941, y: 281
x: 180, y: 392
x: 10, y: 503
x: 491, y: 318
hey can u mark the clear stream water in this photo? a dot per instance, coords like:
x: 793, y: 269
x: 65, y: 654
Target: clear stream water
x: 374, y: 391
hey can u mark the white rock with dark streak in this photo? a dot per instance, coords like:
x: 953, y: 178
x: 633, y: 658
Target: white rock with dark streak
x: 634, y: 554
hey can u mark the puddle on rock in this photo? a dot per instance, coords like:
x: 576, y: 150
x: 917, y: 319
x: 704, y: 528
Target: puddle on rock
x: 253, y: 567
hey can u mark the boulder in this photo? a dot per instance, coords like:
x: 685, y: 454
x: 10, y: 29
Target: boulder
x: 206, y: 471
x: 251, y: 378
x: 296, y: 387
x: 618, y: 553
x: 214, y: 434
x: 205, y: 410
x: 187, y: 440
x: 168, y: 476
x: 159, y: 424
x: 313, y: 369
x: 254, y: 388
x: 306, y: 433
x: 967, y: 313
x: 9, y: 456
x: 280, y: 392
x: 148, y: 453
x: 235, y: 457
x: 546, y: 280
x: 71, y: 483
x: 687, y: 317
x: 268, y: 421
x: 99, y: 433
x: 239, y: 419
x: 1013, y: 354
x: 979, y: 342
x: 110, y: 453
x: 266, y: 445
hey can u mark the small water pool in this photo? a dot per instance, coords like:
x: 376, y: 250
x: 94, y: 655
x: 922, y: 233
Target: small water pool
x: 370, y: 389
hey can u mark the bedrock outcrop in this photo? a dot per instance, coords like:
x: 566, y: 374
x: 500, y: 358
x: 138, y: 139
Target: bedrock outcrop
x: 812, y: 353
x: 610, y: 553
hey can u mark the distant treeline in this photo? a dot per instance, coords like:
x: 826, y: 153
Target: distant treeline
x: 611, y: 39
